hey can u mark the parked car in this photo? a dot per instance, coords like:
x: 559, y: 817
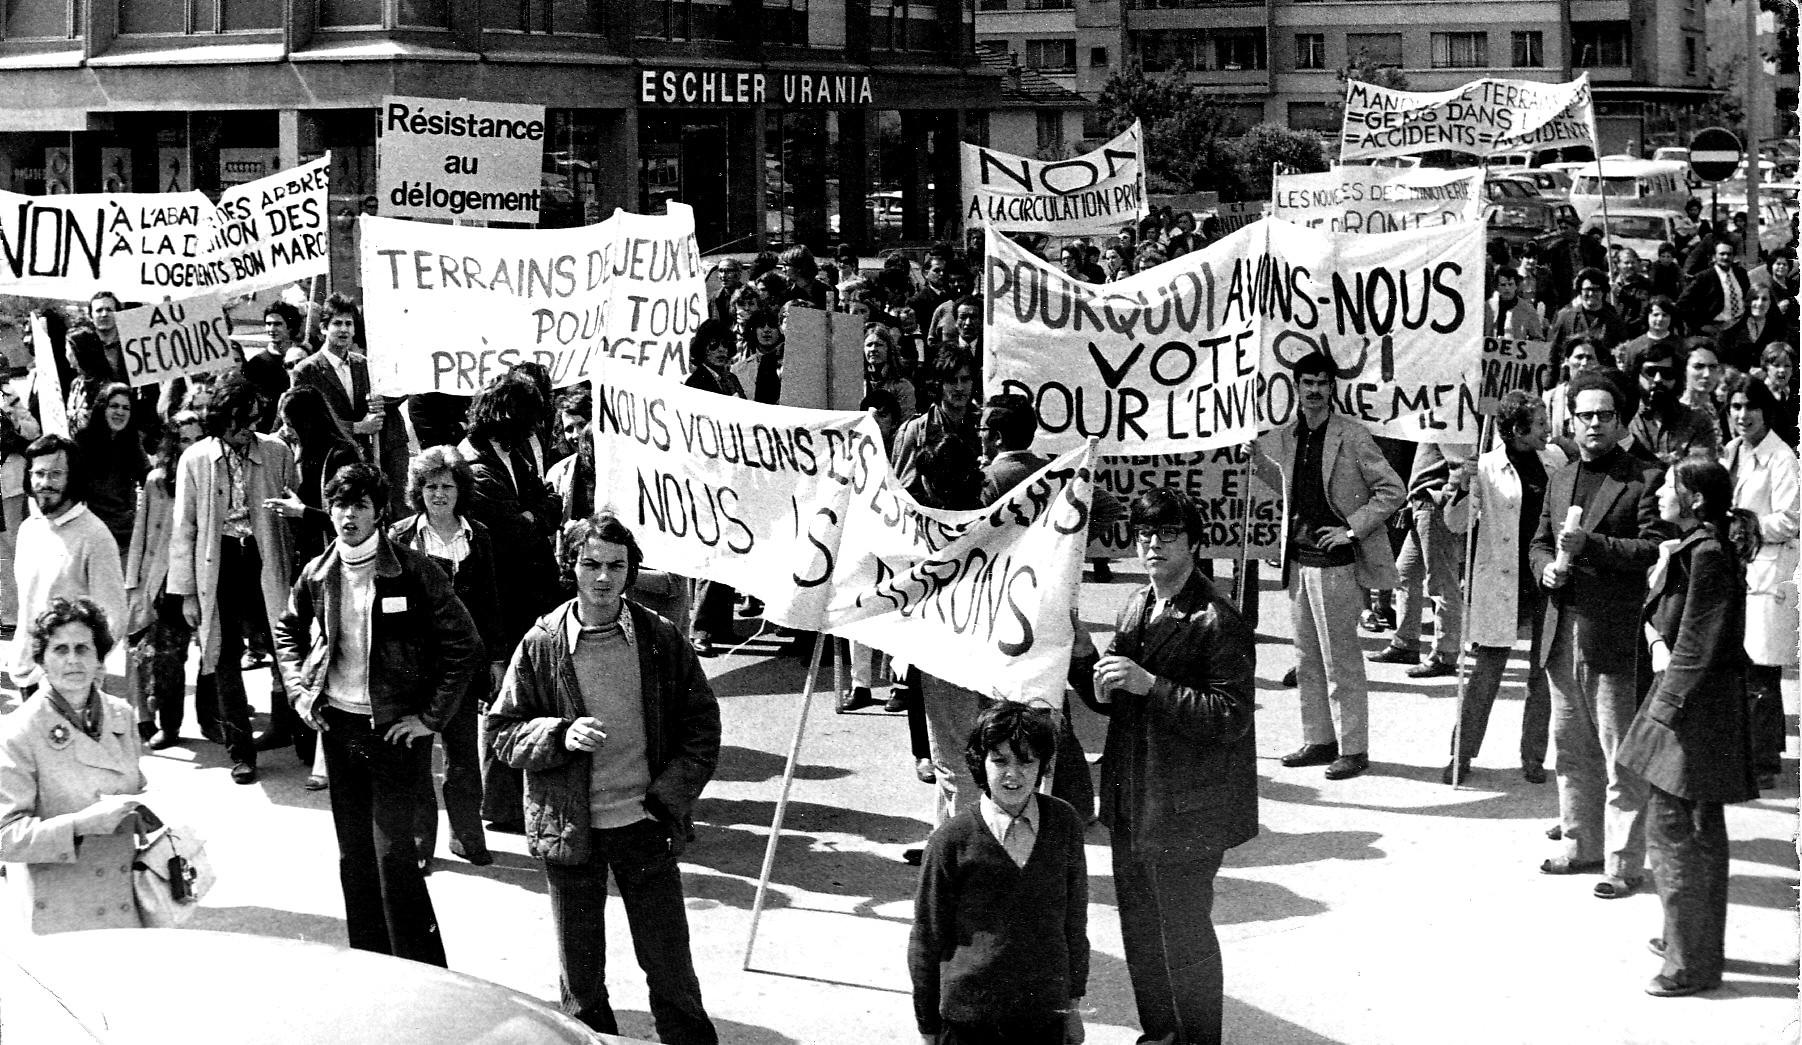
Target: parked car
x: 1643, y: 228
x: 1502, y: 189
x: 134, y: 986
x: 1528, y: 219
x: 1548, y: 183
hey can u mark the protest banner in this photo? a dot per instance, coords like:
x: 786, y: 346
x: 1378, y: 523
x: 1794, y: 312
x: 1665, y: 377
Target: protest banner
x: 175, y: 339
x: 822, y: 359
x: 1216, y: 481
x: 799, y: 508
x: 1235, y: 216
x: 152, y: 245
x: 448, y: 307
x: 1481, y: 118
x: 1098, y: 190
x: 439, y: 158
x: 1509, y: 364
x: 1195, y: 353
x: 53, y: 414
x: 1361, y: 198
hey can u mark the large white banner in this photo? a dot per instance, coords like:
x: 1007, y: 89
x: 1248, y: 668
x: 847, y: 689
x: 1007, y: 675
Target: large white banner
x: 799, y: 508
x: 437, y: 158
x: 152, y: 245
x: 1361, y: 198
x: 449, y: 307
x: 1195, y: 354
x: 1481, y: 118
x: 1094, y: 192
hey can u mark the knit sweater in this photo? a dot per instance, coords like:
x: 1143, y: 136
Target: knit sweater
x: 993, y: 943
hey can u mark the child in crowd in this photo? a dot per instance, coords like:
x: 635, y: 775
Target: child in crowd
x: 1000, y: 946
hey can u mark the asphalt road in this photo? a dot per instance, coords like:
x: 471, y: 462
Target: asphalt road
x: 1388, y: 909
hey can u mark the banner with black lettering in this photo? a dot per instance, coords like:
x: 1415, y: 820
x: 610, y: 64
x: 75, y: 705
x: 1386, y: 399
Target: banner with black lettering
x: 154, y: 245
x: 799, y: 508
x: 1093, y: 192
x: 1228, y: 496
x: 175, y: 339
x: 1510, y: 364
x: 1481, y: 118
x: 1360, y: 198
x: 1195, y: 353
x: 450, y: 306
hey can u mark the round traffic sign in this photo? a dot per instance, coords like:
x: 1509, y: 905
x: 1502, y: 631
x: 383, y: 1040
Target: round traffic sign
x: 1714, y: 154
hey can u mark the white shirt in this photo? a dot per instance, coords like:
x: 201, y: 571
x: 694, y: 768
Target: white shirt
x: 1025, y: 827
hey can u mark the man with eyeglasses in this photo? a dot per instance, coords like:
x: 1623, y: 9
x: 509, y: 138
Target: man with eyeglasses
x: 1594, y: 573
x: 1664, y: 429
x: 1341, y: 493
x: 1589, y: 318
x: 1179, y: 782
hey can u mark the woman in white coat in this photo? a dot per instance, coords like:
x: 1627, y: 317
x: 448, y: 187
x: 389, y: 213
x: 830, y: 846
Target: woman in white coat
x: 69, y: 775
x: 1765, y: 483
x: 1504, y: 491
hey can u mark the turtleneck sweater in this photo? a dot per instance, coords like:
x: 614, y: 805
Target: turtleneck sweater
x: 347, y: 678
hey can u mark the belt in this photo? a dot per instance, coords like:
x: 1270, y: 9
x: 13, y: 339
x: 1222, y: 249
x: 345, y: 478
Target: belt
x: 248, y: 540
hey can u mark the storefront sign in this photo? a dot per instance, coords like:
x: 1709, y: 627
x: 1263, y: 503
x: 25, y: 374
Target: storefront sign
x: 437, y: 158
x: 659, y: 85
x: 1362, y: 198
x: 450, y: 306
x: 800, y: 508
x: 176, y: 339
x: 1098, y: 190
x: 1196, y: 353
x: 1481, y: 118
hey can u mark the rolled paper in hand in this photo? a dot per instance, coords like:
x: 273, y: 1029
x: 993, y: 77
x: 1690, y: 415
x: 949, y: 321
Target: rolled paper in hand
x: 1573, y: 517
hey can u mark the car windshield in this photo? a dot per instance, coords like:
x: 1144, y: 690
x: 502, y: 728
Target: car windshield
x: 1627, y: 187
x: 1638, y: 226
x: 1516, y: 216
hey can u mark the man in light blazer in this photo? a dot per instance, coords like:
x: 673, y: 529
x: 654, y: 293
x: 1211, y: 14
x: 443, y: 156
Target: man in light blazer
x: 1341, y: 491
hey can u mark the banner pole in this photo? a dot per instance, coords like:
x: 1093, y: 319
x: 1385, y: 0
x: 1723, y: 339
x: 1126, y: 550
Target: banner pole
x: 1470, y: 559
x: 788, y: 780
x: 1240, y: 580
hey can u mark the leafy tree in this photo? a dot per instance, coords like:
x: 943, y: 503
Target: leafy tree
x: 1188, y: 133
x: 1267, y: 144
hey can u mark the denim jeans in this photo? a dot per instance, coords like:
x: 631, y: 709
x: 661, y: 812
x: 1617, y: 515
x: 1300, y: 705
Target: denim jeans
x: 1167, y: 926
x: 462, y: 779
x: 650, y: 886
x: 1688, y: 842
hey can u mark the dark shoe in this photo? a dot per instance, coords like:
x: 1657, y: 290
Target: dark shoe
x: 1533, y: 773
x: 1289, y: 678
x: 145, y: 731
x: 1663, y: 987
x: 1555, y: 832
x: 1612, y: 888
x: 859, y: 698
x: 913, y: 856
x: 1432, y: 668
x: 1311, y: 755
x: 244, y: 773
x: 315, y: 782
x: 507, y: 827
x: 1565, y: 865
x: 477, y: 854
x: 1347, y: 766
x: 273, y: 740
x: 897, y: 701
x: 750, y: 608
x: 703, y: 644
x: 252, y: 660
x: 924, y: 772
x: 162, y: 739
x: 425, y: 867
x: 1393, y: 654
x: 1456, y: 772
x: 1767, y: 781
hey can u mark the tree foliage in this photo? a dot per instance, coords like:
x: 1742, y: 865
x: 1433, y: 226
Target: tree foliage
x: 1268, y: 144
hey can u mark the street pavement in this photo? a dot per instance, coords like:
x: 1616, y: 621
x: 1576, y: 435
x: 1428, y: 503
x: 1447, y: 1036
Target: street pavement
x: 1388, y: 909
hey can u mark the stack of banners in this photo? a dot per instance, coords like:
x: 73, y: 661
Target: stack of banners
x: 1196, y: 353
x: 1093, y: 192
x: 153, y: 245
x: 1220, y: 486
x: 451, y: 306
x: 53, y: 415
x: 1362, y: 199
x: 1510, y: 364
x: 1481, y: 118
x: 799, y: 508
x: 176, y: 339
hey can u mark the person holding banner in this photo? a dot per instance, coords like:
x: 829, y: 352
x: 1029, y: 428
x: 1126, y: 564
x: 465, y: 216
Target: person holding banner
x: 710, y: 370
x: 1341, y: 493
x: 1179, y: 777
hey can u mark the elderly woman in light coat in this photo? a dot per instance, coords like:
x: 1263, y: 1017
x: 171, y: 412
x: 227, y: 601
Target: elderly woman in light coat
x: 68, y: 776
x: 1765, y: 483
x: 1504, y: 491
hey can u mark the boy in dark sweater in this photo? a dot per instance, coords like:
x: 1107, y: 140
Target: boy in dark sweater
x: 1000, y: 946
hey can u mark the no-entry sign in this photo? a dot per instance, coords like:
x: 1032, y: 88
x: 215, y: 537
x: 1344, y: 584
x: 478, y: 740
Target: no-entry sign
x: 1714, y: 154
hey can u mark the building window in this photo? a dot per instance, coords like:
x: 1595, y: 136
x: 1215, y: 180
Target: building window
x: 1601, y: 44
x: 1460, y: 50
x: 1098, y: 58
x: 1689, y: 56
x: 1322, y: 117
x: 1051, y: 133
x: 1051, y: 56
x: 1202, y: 50
x: 908, y: 25
x: 1381, y: 49
x: 991, y: 5
x: 1310, y: 51
x: 1095, y: 124
x: 345, y: 13
x: 1236, y: 49
x: 1528, y: 50
x: 686, y: 19
x: 1047, y: 5
x: 785, y: 22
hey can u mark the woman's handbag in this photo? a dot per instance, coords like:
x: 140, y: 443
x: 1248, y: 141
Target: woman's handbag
x: 169, y: 874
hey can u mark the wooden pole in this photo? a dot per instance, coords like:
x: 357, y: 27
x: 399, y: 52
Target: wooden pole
x: 788, y: 780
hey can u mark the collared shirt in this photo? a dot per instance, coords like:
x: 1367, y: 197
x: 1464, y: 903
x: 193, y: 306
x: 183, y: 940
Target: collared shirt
x: 236, y: 520
x: 454, y: 551
x: 572, y: 628
x: 341, y: 367
x: 1733, y: 303
x: 1309, y: 509
x: 1017, y: 834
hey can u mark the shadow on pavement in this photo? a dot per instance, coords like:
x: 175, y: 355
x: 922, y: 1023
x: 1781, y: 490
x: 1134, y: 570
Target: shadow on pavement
x: 1276, y: 849
x: 1776, y: 893
x: 270, y: 921
x: 1523, y: 801
x: 638, y: 1025
x: 1773, y: 851
x: 1243, y: 1022
x: 744, y: 765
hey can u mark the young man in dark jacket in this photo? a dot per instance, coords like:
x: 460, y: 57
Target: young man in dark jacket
x: 396, y: 653
x: 607, y: 711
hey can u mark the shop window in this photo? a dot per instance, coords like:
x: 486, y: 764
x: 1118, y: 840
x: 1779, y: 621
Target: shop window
x: 1460, y: 50
x: 1310, y: 51
x: 1529, y: 50
x: 1380, y: 49
x: 686, y: 19
x: 1597, y: 45
x: 785, y: 22
x: 527, y: 16
x: 1052, y: 56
